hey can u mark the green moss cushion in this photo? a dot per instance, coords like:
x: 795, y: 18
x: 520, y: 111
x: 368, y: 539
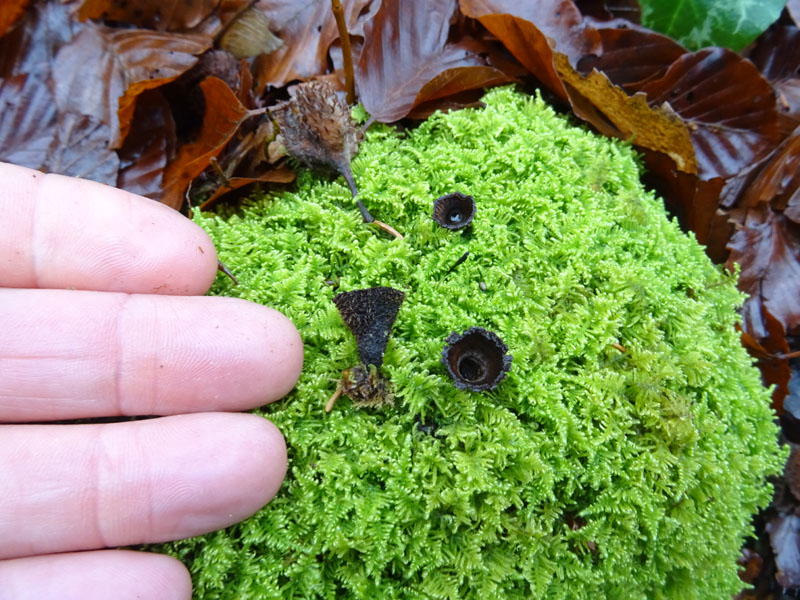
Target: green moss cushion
x: 621, y: 457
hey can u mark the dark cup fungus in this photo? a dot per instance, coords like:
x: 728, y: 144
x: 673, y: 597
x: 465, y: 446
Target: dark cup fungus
x: 454, y: 211
x: 477, y: 359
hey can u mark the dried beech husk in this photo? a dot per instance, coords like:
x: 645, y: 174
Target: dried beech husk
x: 250, y: 36
x: 454, y: 211
x: 316, y: 128
x: 477, y: 359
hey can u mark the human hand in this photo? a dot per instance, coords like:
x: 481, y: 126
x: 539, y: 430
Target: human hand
x: 98, y: 318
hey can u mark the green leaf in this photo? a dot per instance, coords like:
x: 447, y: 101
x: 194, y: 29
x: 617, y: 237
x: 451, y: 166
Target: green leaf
x: 698, y: 23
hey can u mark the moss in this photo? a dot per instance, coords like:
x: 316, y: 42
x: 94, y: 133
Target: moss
x: 589, y: 472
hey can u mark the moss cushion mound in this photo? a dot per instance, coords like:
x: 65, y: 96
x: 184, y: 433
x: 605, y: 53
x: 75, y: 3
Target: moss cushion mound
x: 621, y: 457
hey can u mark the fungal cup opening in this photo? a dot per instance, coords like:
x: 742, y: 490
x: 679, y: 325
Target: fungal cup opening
x: 477, y: 359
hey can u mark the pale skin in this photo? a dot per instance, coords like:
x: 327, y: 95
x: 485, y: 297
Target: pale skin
x: 102, y: 315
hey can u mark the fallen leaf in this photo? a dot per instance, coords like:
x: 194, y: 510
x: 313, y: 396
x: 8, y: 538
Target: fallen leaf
x: 630, y: 55
x: 405, y: 48
x: 10, y: 12
x: 307, y: 30
x: 223, y: 116
x: 776, y: 54
x: 793, y: 8
x: 163, y: 15
x: 148, y: 147
x: 101, y: 71
x: 607, y: 107
x: 726, y: 103
x: 80, y: 149
x: 558, y: 20
x: 282, y: 174
x: 770, y: 353
x: 778, y: 181
x: 767, y: 248
x: 27, y: 120
x: 527, y: 43
x: 31, y: 47
x: 783, y: 535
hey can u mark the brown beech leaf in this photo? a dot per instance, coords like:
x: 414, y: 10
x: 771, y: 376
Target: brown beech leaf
x: 281, y: 174
x: 148, y: 147
x: 307, y: 30
x: 101, y: 71
x: 630, y: 54
x: 729, y: 108
x: 559, y: 20
x: 767, y: 248
x: 527, y: 43
x: 776, y: 53
x: 607, y: 107
x: 784, y: 536
x: 223, y: 115
x: 778, y: 182
x: 32, y: 45
x: 163, y: 15
x: 27, y: 120
x: 770, y: 353
x: 405, y: 47
x: 80, y: 149
x: 10, y: 12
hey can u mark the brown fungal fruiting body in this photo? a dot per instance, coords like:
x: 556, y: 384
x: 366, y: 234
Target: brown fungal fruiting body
x: 454, y: 211
x: 477, y: 359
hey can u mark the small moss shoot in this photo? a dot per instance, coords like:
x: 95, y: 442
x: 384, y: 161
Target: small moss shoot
x: 622, y: 456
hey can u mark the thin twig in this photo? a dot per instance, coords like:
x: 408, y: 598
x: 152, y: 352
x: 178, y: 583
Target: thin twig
x: 347, y: 54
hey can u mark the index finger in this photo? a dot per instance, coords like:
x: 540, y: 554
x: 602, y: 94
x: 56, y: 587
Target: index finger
x: 62, y: 232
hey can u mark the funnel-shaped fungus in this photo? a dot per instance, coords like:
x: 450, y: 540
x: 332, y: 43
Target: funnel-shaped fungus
x: 477, y: 359
x: 370, y: 314
x: 454, y: 211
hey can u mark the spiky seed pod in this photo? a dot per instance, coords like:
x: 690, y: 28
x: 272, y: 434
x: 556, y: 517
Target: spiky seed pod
x: 316, y: 128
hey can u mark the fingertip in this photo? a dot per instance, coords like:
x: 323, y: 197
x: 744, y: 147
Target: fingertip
x: 120, y: 574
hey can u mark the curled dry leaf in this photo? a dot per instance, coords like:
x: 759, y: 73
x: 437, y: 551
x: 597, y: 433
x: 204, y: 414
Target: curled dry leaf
x: 27, y: 120
x: 163, y: 15
x: 223, y: 115
x: 767, y: 247
x: 101, y: 71
x: 784, y: 536
x: 776, y: 54
x: 405, y: 48
x: 607, y: 107
x: 32, y: 45
x: 148, y: 147
x: 307, y: 30
x: 630, y: 55
x: 728, y: 106
x: 316, y: 128
x: 80, y: 149
x: 778, y: 182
